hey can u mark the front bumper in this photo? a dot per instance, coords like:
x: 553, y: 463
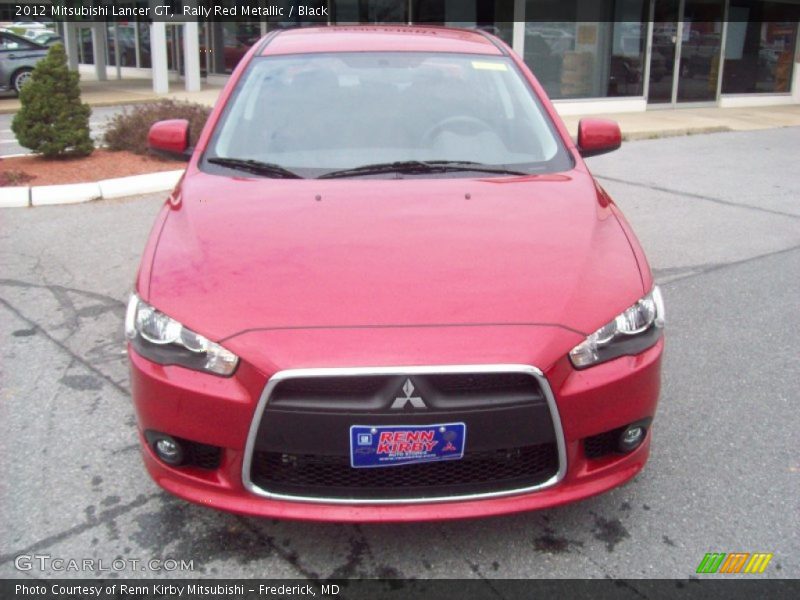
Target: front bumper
x: 222, y: 411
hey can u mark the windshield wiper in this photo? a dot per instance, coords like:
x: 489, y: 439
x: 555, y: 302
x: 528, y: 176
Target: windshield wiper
x: 256, y: 167
x: 419, y: 166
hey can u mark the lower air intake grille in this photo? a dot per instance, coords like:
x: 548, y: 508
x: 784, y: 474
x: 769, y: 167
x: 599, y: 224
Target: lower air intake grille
x: 201, y: 455
x: 477, y: 472
x: 602, y: 444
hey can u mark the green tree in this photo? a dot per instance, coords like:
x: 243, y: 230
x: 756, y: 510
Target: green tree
x: 52, y: 120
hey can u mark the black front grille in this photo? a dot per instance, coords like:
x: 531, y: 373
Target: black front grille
x: 302, y: 444
x: 482, y: 383
x: 329, y: 387
x: 376, y: 392
x: 477, y: 472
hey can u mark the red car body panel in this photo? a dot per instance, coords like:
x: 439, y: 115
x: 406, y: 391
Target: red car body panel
x: 411, y: 252
x: 224, y: 493
x: 292, y: 274
x: 592, y: 401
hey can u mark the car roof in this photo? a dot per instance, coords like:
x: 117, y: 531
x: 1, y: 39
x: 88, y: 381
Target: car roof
x: 380, y: 38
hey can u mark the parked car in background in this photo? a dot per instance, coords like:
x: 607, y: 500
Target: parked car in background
x: 23, y: 27
x: 18, y: 56
x: 48, y: 38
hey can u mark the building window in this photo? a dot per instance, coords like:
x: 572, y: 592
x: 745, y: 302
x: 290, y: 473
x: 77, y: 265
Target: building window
x: 320, y: 12
x: 224, y: 43
x: 370, y: 11
x: 759, y: 48
x: 598, y: 53
x: 493, y: 16
x: 232, y: 40
x: 127, y: 43
x: 143, y: 31
x: 85, y: 47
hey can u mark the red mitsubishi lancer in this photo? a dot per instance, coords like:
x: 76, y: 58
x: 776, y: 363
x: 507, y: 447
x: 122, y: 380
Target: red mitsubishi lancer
x: 388, y: 289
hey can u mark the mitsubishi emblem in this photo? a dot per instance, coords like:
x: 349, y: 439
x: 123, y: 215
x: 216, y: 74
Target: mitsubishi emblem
x: 401, y: 401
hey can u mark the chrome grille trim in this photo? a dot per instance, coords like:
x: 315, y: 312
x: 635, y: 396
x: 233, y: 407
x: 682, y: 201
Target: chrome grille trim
x: 410, y: 371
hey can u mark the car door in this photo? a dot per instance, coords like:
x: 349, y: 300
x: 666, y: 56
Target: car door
x: 16, y: 52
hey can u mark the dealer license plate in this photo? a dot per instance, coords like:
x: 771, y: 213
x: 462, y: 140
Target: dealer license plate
x: 394, y: 445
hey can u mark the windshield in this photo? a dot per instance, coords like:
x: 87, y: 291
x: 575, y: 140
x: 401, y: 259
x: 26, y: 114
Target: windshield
x: 317, y: 114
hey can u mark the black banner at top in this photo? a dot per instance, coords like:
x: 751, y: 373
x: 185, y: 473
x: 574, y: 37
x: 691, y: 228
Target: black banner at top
x: 440, y: 12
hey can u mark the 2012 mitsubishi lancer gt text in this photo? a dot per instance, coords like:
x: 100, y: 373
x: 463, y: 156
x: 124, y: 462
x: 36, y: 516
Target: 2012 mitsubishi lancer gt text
x: 388, y: 289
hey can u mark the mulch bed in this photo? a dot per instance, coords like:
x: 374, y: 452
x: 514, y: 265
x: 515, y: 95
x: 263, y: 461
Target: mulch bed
x: 101, y: 164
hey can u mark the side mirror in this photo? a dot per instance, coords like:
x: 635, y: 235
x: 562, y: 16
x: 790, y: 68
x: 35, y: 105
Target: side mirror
x: 170, y: 138
x: 598, y: 136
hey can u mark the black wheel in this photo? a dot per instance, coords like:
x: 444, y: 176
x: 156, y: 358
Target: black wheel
x: 20, y: 78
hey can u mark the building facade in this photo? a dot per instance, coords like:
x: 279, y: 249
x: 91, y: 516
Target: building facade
x: 602, y: 56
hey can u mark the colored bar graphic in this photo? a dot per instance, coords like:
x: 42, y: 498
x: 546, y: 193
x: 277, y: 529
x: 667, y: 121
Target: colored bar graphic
x: 711, y: 562
x: 735, y: 562
x: 758, y: 563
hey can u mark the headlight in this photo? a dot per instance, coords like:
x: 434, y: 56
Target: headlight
x: 633, y: 331
x: 163, y: 340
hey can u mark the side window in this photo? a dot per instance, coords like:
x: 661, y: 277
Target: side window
x: 6, y: 43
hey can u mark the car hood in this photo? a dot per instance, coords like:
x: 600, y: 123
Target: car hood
x: 238, y: 255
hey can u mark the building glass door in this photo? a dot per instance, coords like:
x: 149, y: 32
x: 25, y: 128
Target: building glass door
x: 686, y: 51
x: 663, y: 51
x: 701, y: 47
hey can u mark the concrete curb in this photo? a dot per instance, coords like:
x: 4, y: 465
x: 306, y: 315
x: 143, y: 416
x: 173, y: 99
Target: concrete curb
x: 139, y: 184
x: 48, y: 195
x: 665, y: 133
x: 14, y: 197
x: 45, y: 195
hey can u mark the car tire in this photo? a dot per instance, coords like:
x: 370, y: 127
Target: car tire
x: 20, y: 78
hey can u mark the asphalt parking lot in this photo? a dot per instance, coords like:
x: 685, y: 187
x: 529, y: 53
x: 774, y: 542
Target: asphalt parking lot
x: 719, y: 216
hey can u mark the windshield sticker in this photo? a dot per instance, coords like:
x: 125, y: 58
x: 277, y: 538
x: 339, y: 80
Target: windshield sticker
x: 489, y: 66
